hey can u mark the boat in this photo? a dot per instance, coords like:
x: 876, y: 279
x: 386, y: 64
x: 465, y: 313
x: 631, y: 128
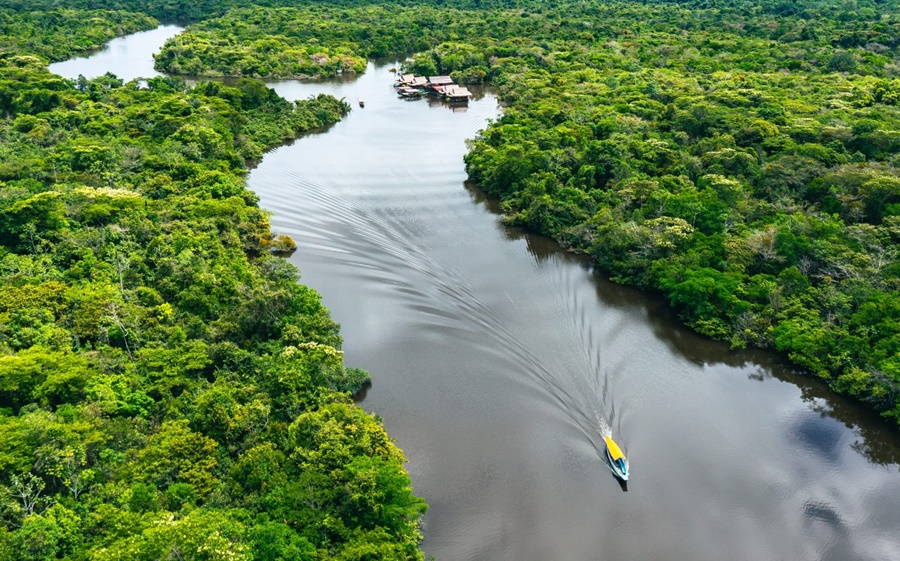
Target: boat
x: 362, y: 103
x: 409, y: 92
x: 617, y: 460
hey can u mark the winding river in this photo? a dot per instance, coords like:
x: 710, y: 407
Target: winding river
x: 496, y: 358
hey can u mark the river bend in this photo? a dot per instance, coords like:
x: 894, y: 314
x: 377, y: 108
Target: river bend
x: 496, y: 359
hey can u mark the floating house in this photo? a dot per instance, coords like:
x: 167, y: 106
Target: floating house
x: 440, y: 80
x: 411, y: 81
x: 435, y: 83
x: 411, y: 86
x: 456, y: 93
x: 410, y: 92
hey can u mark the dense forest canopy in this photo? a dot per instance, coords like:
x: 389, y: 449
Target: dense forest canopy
x: 739, y: 157
x: 167, y: 388
x: 176, y: 10
x: 56, y: 34
x: 324, y: 40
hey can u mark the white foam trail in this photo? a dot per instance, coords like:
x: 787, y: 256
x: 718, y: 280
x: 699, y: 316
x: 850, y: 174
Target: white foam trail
x: 602, y: 426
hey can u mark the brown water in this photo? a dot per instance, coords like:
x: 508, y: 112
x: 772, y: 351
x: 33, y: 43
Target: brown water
x: 496, y: 359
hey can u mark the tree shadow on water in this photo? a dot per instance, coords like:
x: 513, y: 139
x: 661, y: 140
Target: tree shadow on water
x: 877, y: 439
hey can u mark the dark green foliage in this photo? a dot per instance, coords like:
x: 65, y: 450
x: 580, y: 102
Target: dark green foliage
x: 155, y: 356
x: 54, y: 33
x: 744, y: 169
x: 285, y: 43
x: 167, y: 10
x: 737, y: 156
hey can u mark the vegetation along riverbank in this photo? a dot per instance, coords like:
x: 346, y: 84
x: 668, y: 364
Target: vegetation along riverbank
x: 167, y: 389
x: 738, y: 157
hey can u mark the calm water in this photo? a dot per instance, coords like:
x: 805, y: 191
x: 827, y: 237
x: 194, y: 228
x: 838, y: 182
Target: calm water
x: 127, y: 57
x: 496, y: 358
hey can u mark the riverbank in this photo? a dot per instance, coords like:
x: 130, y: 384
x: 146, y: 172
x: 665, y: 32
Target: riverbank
x: 165, y: 382
x: 737, y: 179
x: 492, y: 353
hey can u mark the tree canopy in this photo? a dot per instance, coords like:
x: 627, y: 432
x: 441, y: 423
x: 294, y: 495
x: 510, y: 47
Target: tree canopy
x: 738, y: 157
x: 168, y: 390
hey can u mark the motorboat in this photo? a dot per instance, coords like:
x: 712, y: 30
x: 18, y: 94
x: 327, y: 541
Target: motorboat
x: 617, y: 461
x: 362, y: 103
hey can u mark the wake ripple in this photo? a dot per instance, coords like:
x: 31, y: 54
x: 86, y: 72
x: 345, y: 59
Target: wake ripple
x: 381, y: 243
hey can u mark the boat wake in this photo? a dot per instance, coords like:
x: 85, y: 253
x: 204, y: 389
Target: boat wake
x: 385, y: 246
x: 588, y: 392
x: 366, y: 224
x: 603, y: 428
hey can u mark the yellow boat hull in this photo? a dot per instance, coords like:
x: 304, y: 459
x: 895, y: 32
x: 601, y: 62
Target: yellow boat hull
x: 617, y: 460
x: 614, y: 451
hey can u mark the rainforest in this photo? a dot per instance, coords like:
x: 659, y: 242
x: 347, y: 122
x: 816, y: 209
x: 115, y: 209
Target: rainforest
x: 737, y: 157
x: 168, y: 390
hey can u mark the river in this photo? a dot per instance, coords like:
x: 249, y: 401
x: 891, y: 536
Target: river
x: 495, y: 359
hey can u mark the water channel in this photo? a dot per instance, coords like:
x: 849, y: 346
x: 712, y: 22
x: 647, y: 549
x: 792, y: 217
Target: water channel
x: 495, y: 359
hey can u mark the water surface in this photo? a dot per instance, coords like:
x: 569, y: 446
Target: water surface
x: 127, y: 57
x: 496, y: 358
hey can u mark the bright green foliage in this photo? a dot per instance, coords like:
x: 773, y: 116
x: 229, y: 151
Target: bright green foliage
x: 51, y: 535
x: 202, y: 535
x: 318, y: 40
x: 153, y: 352
x: 739, y: 158
x: 43, y: 376
x: 340, y: 480
x: 56, y: 34
x: 176, y: 455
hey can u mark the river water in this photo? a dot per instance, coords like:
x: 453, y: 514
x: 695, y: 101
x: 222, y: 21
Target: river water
x: 496, y: 359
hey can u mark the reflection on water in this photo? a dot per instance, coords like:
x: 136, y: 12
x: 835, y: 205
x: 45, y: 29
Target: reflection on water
x: 878, y: 440
x: 127, y: 57
x: 496, y: 359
